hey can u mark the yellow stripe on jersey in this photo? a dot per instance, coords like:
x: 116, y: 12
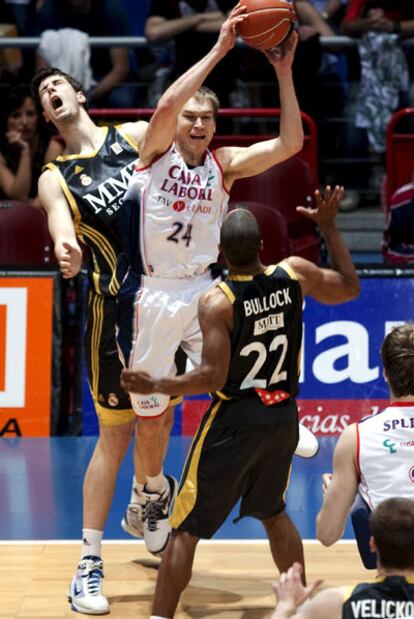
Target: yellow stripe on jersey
x: 107, y: 252
x: 67, y: 192
x: 227, y: 291
x: 270, y: 269
x: 348, y: 592
x: 90, y: 155
x: 287, y: 484
x: 285, y: 266
x: 97, y: 313
x: 222, y: 395
x: 128, y: 138
x: 240, y: 278
x: 186, y: 499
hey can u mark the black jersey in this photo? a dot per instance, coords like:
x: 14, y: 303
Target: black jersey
x: 267, y: 335
x: 94, y: 186
x: 386, y: 599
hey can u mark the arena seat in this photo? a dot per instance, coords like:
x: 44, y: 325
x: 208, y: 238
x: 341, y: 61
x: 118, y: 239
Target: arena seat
x: 400, y: 153
x: 282, y: 188
x: 273, y: 227
x: 24, y: 236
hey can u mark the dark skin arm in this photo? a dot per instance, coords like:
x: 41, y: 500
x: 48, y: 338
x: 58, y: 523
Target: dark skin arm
x: 340, y: 283
x: 215, y: 314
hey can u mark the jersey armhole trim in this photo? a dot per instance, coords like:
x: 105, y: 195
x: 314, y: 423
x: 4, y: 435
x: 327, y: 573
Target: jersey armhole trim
x: 128, y: 138
x: 285, y: 266
x: 348, y: 592
x: 156, y: 158
x: 227, y: 291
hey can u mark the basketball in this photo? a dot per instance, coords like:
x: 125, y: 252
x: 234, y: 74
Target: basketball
x: 268, y: 22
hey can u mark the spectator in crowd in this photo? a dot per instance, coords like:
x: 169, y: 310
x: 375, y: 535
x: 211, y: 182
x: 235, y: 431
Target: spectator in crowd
x: 110, y: 65
x: 193, y: 26
x: 383, y: 83
x: 392, y: 593
x: 329, y: 10
x: 373, y: 458
x: 398, y: 237
x: 24, y: 11
x: 25, y: 146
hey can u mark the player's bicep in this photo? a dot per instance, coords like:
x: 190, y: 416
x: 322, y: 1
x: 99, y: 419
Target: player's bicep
x: 323, y: 285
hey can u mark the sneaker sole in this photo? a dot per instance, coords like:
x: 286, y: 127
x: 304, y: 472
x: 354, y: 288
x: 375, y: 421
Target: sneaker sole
x: 131, y: 530
x: 86, y: 611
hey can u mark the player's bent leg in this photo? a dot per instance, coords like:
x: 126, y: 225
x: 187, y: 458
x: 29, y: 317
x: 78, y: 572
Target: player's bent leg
x: 85, y: 594
x: 174, y: 573
x: 159, y: 491
x: 360, y: 516
x: 285, y: 542
x: 132, y: 522
x: 308, y: 445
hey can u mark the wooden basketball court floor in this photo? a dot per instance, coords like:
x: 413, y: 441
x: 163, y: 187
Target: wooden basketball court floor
x: 40, y: 528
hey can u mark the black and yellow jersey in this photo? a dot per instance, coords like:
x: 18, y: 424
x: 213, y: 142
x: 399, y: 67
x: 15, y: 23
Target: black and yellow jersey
x: 389, y: 598
x: 267, y: 334
x: 94, y: 186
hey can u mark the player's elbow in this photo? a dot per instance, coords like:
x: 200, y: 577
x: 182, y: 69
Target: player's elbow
x: 326, y: 533
x: 214, y: 379
x: 351, y: 290
x: 326, y: 538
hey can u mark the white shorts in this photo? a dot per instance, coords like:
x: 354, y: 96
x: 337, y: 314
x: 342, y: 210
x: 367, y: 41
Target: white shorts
x: 165, y: 318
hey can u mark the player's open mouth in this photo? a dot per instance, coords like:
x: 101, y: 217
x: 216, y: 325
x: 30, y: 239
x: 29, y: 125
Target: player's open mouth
x: 198, y: 137
x: 56, y: 102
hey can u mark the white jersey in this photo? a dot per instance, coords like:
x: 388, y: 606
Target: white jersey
x: 385, y: 454
x: 182, y: 211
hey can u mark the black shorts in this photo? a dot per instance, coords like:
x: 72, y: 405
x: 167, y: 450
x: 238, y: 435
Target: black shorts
x: 228, y: 461
x: 103, y: 366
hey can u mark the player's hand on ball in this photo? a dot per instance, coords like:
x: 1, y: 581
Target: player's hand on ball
x: 281, y: 56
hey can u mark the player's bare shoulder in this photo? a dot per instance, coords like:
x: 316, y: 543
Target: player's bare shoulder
x: 214, y: 305
x: 135, y: 130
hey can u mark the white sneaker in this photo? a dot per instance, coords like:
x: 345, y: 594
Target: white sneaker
x: 85, y: 593
x: 157, y: 510
x: 308, y: 445
x: 132, y: 521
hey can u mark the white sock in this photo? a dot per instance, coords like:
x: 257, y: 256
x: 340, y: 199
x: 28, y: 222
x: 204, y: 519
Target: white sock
x: 137, y: 489
x: 91, y: 542
x: 156, y: 484
x: 158, y: 617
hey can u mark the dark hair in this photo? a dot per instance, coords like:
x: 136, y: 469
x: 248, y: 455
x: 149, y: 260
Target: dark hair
x: 43, y: 74
x: 392, y: 527
x: 13, y: 100
x: 240, y: 237
x: 397, y: 353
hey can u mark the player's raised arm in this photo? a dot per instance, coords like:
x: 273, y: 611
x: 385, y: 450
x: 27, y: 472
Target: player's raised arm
x: 340, y: 283
x: 161, y: 130
x: 243, y: 162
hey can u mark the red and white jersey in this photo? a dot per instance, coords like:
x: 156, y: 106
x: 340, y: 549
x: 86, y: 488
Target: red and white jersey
x: 385, y: 454
x: 182, y: 211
